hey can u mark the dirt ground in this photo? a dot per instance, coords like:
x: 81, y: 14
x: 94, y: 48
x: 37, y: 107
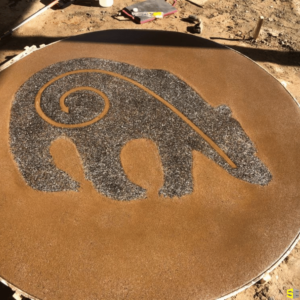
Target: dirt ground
x: 227, y: 22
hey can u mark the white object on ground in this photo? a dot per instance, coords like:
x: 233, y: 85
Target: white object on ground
x: 284, y: 83
x: 17, y: 296
x: 106, y: 3
x: 265, y: 279
x: 198, y: 2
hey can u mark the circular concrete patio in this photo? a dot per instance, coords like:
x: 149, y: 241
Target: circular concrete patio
x: 144, y: 165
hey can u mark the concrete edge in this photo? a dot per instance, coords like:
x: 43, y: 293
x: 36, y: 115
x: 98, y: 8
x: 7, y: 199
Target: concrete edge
x: 297, y: 238
x: 29, y: 50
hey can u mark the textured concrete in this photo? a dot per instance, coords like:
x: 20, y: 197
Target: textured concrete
x: 131, y: 113
x: 220, y: 233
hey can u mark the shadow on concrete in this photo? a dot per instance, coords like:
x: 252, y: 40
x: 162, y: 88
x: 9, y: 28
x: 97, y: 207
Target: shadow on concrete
x: 18, y: 43
x: 153, y: 38
x: 285, y: 58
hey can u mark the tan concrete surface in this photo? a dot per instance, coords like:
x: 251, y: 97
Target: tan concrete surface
x: 202, y: 246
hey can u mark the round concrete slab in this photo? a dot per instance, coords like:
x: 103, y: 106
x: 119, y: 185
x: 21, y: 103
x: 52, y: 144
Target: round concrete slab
x: 144, y: 165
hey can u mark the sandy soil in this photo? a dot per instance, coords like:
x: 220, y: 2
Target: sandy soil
x: 227, y: 22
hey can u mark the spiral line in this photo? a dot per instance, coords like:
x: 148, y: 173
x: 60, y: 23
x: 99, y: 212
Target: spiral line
x: 106, y: 108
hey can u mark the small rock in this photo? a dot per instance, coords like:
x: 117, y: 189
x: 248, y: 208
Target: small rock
x: 265, y: 279
x: 273, y: 33
x: 121, y: 18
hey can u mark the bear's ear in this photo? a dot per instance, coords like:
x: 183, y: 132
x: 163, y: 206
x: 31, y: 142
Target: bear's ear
x: 224, y: 110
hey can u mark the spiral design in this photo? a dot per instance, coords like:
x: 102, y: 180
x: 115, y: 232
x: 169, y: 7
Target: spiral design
x: 123, y: 103
x: 64, y: 108
x: 106, y: 108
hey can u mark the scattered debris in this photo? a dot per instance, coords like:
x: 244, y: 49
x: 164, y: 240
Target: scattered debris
x: 273, y: 33
x: 197, y: 28
x: 265, y: 279
x: 198, y: 2
x: 149, y: 10
x: 121, y: 18
x: 191, y: 19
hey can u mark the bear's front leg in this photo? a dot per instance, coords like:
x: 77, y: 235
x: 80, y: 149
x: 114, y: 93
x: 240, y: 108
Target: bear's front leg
x: 104, y: 169
x: 177, y: 167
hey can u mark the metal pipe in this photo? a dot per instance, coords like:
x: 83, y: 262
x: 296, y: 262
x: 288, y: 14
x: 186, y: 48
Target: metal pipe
x: 258, y: 27
x: 9, y: 32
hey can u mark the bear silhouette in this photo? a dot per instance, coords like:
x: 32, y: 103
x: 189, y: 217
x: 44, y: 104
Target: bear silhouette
x: 101, y: 105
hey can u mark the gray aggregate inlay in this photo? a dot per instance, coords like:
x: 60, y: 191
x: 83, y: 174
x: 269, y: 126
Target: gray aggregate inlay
x: 133, y: 114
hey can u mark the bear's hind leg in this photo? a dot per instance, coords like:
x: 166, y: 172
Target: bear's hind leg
x: 39, y: 170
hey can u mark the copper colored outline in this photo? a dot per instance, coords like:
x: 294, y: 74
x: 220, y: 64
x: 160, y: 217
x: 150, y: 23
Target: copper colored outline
x: 64, y: 108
